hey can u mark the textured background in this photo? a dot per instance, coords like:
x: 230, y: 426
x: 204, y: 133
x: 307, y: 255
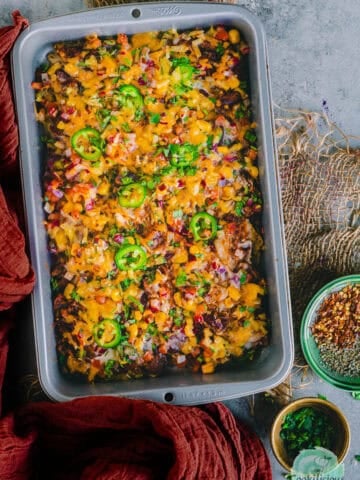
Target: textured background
x: 314, y: 51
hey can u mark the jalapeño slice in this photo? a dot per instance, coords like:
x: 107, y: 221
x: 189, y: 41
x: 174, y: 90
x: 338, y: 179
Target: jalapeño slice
x: 203, y: 226
x: 88, y: 143
x: 107, y: 334
x: 129, y: 96
x: 130, y: 257
x: 132, y: 195
x: 183, y: 155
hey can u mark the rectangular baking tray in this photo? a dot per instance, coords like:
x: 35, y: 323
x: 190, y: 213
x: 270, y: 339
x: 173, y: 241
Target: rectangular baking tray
x: 177, y: 387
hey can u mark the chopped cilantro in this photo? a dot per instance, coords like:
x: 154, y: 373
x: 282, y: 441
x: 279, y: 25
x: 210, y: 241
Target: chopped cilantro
x: 109, y: 365
x: 239, y: 207
x: 123, y: 68
x: 54, y: 284
x: 209, y: 141
x: 152, y: 329
x: 250, y: 136
x: 242, y: 278
x: 180, y: 280
x: 322, y: 396
x: 75, y: 296
x: 111, y: 275
x: 180, y: 61
x: 127, y: 311
x: 220, y: 49
x: 149, y: 100
x: 126, y: 127
x: 155, y: 118
x: 306, y: 428
x: 124, y: 284
x: 134, y: 301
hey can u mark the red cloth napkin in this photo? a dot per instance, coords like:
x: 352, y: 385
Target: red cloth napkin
x: 106, y: 438
x: 16, y: 276
x: 101, y: 438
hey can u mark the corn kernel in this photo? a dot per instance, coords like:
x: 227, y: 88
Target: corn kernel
x: 115, y: 295
x: 68, y: 291
x: 228, y: 302
x: 103, y: 188
x: 234, y: 293
x: 133, y: 331
x: 160, y: 319
x: 207, y: 368
x: 234, y: 36
x: 180, y: 257
x: 223, y: 149
x: 194, y: 249
x: 253, y: 171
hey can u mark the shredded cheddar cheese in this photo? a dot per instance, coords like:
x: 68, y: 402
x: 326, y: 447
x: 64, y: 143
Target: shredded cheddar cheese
x: 152, y: 202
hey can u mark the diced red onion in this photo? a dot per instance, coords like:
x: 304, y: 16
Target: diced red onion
x: 118, y: 238
x: 57, y: 193
x: 89, y: 205
x: 65, y: 116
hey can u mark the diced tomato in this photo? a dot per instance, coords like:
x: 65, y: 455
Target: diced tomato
x: 148, y: 356
x: 221, y: 34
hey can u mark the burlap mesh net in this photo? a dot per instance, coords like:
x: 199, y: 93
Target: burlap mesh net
x: 320, y: 185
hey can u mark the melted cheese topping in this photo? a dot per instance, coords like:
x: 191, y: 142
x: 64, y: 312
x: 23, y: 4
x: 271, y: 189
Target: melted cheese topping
x: 194, y: 302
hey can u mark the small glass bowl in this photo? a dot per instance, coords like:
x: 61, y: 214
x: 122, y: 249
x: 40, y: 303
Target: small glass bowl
x: 308, y: 344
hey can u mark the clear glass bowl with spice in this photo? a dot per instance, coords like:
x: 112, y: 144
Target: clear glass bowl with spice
x: 330, y: 333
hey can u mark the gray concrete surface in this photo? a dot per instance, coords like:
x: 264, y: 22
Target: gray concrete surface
x: 314, y: 50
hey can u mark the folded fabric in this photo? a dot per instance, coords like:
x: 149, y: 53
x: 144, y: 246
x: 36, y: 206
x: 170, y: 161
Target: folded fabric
x: 8, y: 126
x: 16, y: 275
x: 107, y: 438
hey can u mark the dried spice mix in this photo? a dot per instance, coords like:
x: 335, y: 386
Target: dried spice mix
x: 336, y: 331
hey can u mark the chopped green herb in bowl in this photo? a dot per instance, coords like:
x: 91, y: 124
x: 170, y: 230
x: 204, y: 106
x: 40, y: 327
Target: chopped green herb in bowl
x: 305, y: 424
x: 306, y: 428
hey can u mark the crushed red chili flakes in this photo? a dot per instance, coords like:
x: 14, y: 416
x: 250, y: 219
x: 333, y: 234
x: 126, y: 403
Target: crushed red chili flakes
x: 338, y: 318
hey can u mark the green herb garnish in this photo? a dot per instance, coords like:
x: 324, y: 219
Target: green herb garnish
x: 322, y: 396
x: 181, y: 279
x: 306, y: 428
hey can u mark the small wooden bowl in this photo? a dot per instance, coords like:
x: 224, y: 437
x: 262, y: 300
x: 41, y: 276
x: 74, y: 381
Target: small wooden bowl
x: 337, y: 418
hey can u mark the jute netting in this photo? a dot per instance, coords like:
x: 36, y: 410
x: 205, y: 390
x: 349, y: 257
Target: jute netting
x: 320, y: 186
